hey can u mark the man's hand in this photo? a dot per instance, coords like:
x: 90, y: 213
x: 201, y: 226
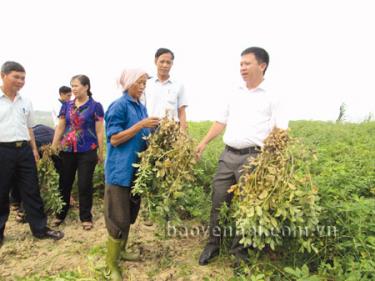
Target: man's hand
x: 213, y: 132
x: 36, y: 155
x: 183, y: 128
x: 199, y: 150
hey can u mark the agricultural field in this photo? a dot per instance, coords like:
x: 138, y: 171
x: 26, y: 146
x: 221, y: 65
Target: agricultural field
x: 338, y: 159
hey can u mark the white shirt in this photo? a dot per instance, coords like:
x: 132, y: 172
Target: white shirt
x: 55, y: 112
x: 250, y: 116
x: 161, y: 97
x: 16, y: 117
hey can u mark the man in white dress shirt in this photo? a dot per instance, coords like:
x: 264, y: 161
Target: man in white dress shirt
x: 163, y: 94
x: 19, y: 153
x: 248, y: 119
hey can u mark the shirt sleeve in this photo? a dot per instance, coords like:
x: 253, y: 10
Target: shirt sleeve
x: 223, y: 114
x: 99, y: 112
x: 31, y: 117
x: 55, y: 112
x: 63, y: 110
x: 181, y: 99
x: 115, y: 119
x: 279, y: 118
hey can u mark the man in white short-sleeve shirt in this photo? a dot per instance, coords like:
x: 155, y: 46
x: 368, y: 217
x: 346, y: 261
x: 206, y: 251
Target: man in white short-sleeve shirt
x: 251, y: 113
x: 164, y: 95
x: 19, y: 153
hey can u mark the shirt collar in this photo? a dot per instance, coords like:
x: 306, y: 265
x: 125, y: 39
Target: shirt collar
x: 129, y: 98
x: 263, y: 86
x: 2, y: 94
x: 72, y: 102
x: 169, y: 80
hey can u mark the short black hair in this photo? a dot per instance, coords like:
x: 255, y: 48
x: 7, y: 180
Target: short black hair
x: 10, y: 66
x: 162, y: 51
x: 64, y: 90
x: 260, y: 54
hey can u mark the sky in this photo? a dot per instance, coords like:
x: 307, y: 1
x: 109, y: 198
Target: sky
x: 321, y: 52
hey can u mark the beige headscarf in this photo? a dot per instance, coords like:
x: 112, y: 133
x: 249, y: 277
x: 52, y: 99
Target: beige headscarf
x: 129, y: 76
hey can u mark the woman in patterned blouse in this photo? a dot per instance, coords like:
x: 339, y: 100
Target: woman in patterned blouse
x: 79, y: 134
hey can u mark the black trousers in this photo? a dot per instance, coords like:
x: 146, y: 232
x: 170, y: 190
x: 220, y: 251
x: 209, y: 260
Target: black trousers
x: 17, y: 166
x: 84, y: 163
x: 15, y: 195
x: 57, y: 162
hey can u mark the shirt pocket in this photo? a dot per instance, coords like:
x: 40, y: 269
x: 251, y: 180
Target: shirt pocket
x: 264, y: 109
x: 23, y: 113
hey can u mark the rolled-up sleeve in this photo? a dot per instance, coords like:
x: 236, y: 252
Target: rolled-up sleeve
x: 115, y: 119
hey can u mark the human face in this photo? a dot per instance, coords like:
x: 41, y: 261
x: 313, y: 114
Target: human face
x: 137, y: 89
x: 251, y: 70
x: 65, y: 96
x: 164, y: 64
x: 78, y: 90
x: 13, y: 81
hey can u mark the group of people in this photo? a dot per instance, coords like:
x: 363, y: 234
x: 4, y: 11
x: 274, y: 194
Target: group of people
x: 249, y: 117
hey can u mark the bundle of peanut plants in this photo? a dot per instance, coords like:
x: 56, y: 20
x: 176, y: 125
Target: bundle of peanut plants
x: 49, y: 182
x: 165, y: 171
x: 275, y: 200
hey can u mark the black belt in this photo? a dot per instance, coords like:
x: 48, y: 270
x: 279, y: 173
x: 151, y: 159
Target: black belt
x: 242, y: 151
x: 14, y: 144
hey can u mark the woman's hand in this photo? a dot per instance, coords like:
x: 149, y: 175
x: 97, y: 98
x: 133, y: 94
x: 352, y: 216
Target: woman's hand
x: 127, y: 134
x: 55, y: 148
x: 150, y: 122
x: 100, y: 158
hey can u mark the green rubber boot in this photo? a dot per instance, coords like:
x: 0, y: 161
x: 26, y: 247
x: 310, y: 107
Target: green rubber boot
x: 113, y: 254
x: 127, y: 256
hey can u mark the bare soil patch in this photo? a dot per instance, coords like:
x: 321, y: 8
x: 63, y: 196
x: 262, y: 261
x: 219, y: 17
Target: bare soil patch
x: 23, y: 257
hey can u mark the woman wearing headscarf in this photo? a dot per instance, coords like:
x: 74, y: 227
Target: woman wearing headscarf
x: 127, y: 124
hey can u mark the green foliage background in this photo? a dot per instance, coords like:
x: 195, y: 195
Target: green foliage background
x: 344, y: 173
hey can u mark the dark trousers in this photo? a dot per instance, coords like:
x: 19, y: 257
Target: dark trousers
x: 120, y: 210
x: 227, y: 174
x: 15, y: 195
x: 17, y: 166
x: 57, y: 162
x: 84, y: 163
